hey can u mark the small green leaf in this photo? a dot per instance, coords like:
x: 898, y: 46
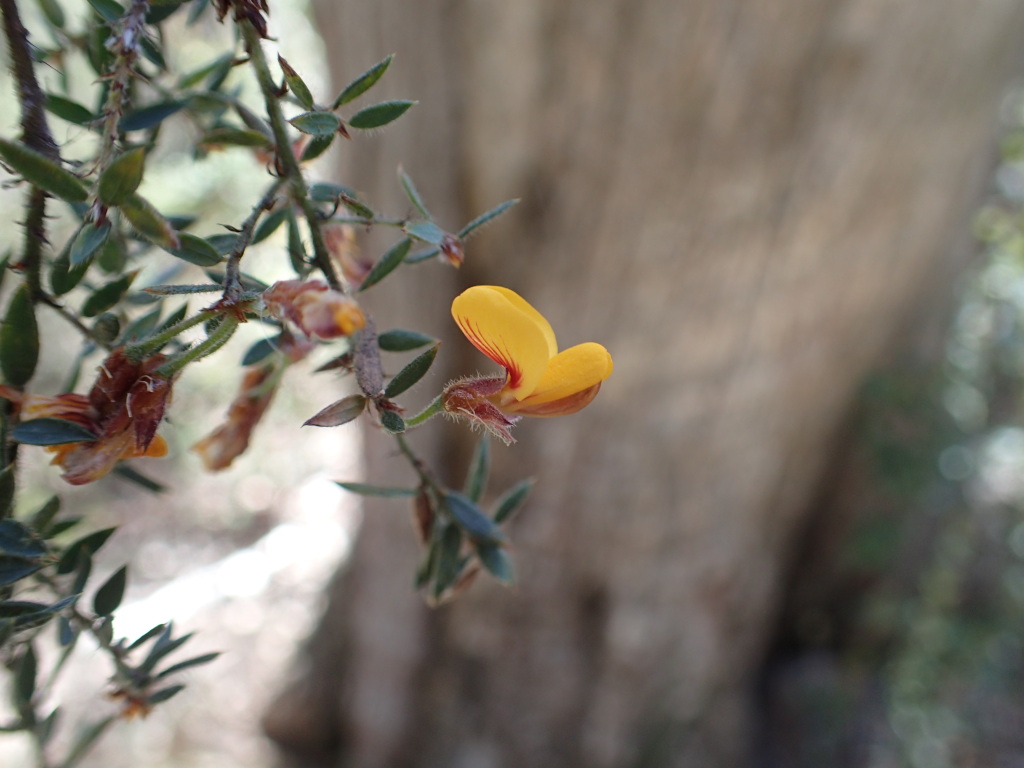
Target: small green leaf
x: 7, y: 489
x: 472, y: 520
x: 18, y: 540
x: 236, y: 137
x: 392, y: 422
x: 109, y: 10
x: 512, y: 500
x: 50, y: 431
x: 109, y: 596
x: 379, y: 114
x: 195, y: 250
x: 196, y: 76
x: 358, y: 208
x: 260, y: 351
x: 363, y: 83
x: 134, y: 476
x: 106, y: 328
x: 69, y: 110
x: 296, y: 248
x: 427, y: 231
x: 87, y: 545
x: 53, y: 12
x: 149, y: 222
x: 298, y: 88
x: 25, y: 681
x: 29, y: 614
x: 19, y: 338
x: 62, y: 276
x: 148, y: 117
x: 364, y: 489
x: 317, y: 123
x: 497, y: 562
x: 269, y: 225
x: 412, y: 193
x: 89, y: 238
x: 164, y: 694
x: 449, y: 563
x: 165, y: 645
x: 43, y: 172
x: 196, y: 661
x: 148, y: 635
x: 106, y: 296
x: 483, y: 218
x: 399, y: 340
x: 147, y: 46
x: 327, y: 192
x: 41, y: 520
x: 341, y: 412
x: 317, y: 146
x: 479, y: 470
x: 387, y: 263
x: 14, y: 569
x: 122, y: 177
x: 411, y: 373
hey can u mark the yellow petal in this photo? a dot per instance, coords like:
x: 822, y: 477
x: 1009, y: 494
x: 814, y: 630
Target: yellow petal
x: 576, y: 369
x: 508, y: 330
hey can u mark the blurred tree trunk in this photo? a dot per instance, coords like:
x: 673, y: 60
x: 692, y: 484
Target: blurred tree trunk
x: 750, y: 203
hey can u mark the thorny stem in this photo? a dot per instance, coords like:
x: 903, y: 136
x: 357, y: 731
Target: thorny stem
x: 35, y: 134
x: 232, y: 283
x: 286, y: 158
x: 125, y: 45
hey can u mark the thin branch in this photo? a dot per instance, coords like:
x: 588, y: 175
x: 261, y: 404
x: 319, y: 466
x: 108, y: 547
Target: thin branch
x: 286, y: 158
x: 232, y: 281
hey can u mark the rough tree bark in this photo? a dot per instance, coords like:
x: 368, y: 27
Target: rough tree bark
x: 747, y: 202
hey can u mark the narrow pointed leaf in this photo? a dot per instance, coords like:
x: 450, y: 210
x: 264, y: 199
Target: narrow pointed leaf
x: 427, y: 231
x: 479, y: 470
x: 449, y: 563
x: 400, y: 340
x: 18, y: 540
x: 317, y: 123
x: 483, y: 218
x: 341, y: 412
x: 512, y: 500
x: 19, y: 338
x: 236, y: 137
x: 107, y: 295
x: 132, y: 475
x: 296, y: 85
x: 25, y: 681
x: 53, y: 12
x: 412, y: 373
x: 269, y: 225
x: 412, y: 193
x: 363, y: 83
x: 195, y: 250
x: 379, y: 114
x: 472, y: 520
x: 497, y: 562
x: 43, y: 172
x: 87, y: 545
x: 89, y: 238
x: 164, y: 694
x: 196, y: 661
x: 122, y: 177
x: 148, y: 117
x: 392, y: 422
x: 149, y: 222
x: 317, y: 146
x: 364, y: 489
x: 69, y: 110
x: 109, y: 10
x: 387, y: 263
x: 13, y: 569
x: 109, y: 596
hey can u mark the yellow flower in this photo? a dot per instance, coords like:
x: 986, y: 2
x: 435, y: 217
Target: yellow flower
x: 540, y: 380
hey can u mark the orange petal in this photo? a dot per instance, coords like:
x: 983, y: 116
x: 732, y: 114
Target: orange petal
x: 503, y: 326
x: 568, y: 373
